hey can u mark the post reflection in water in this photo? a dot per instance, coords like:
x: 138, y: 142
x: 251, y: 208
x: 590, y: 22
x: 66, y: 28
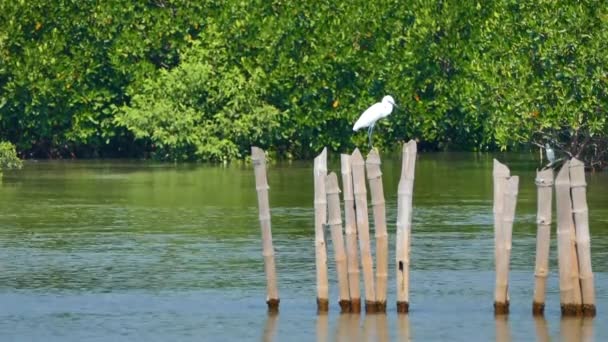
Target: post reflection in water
x: 576, y: 328
x: 587, y: 328
x: 374, y: 327
x: 347, y: 328
x: 503, y: 332
x: 382, y: 327
x: 270, y: 328
x: 403, y: 328
x: 322, y: 327
x: 369, y: 327
x: 542, y: 329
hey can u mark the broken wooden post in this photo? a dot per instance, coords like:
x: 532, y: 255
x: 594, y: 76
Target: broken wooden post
x: 261, y: 185
x: 334, y: 221
x: 404, y: 225
x: 357, y: 166
x: 500, y: 175
x: 350, y: 230
x: 569, y: 286
x: 374, y: 176
x: 581, y: 222
x: 544, y: 184
x: 320, y: 203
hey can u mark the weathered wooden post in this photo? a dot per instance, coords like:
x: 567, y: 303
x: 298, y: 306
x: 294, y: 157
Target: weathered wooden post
x: 500, y: 176
x: 374, y: 176
x: 357, y: 165
x: 261, y: 185
x: 569, y: 286
x: 350, y: 230
x: 544, y: 184
x: 337, y: 237
x: 510, y: 204
x: 404, y: 225
x: 320, y: 203
x: 581, y: 221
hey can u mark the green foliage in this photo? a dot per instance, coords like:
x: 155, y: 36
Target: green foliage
x: 64, y: 66
x: 206, y: 108
x: 544, y: 76
x: 8, y: 157
x: 204, y: 80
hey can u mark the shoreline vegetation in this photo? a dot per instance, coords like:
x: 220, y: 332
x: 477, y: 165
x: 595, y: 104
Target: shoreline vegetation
x: 205, y: 81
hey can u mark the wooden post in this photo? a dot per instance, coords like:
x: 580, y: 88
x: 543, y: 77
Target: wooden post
x: 510, y: 203
x: 357, y: 165
x: 374, y: 176
x: 404, y: 225
x: 350, y: 229
x: 335, y: 224
x: 261, y: 185
x: 569, y: 286
x: 583, y: 248
x: 500, y: 175
x: 544, y: 184
x: 320, y: 202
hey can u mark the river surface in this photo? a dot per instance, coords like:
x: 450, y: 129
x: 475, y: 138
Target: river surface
x: 128, y: 250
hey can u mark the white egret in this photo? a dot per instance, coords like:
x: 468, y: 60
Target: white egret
x: 374, y: 113
x: 550, y: 153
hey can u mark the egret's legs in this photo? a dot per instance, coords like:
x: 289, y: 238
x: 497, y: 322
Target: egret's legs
x: 370, y: 131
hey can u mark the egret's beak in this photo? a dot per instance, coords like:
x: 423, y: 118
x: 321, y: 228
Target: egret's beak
x: 395, y: 105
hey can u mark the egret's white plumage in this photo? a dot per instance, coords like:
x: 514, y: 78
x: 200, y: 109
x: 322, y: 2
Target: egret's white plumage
x: 374, y: 113
x: 550, y: 153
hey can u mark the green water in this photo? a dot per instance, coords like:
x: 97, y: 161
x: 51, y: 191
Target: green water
x: 115, y: 250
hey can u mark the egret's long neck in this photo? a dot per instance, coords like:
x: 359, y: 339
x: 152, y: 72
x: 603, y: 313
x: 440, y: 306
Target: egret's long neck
x: 389, y: 108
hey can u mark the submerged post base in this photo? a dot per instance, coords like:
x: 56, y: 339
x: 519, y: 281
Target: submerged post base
x: 381, y: 307
x: 403, y: 307
x: 322, y: 305
x: 501, y: 308
x: 355, y: 305
x: 273, y: 305
x: 572, y: 309
x: 538, y: 309
x: 345, y: 306
x: 589, y: 310
x: 371, y: 306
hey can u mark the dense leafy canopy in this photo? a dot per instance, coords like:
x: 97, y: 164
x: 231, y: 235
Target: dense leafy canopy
x: 204, y: 80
